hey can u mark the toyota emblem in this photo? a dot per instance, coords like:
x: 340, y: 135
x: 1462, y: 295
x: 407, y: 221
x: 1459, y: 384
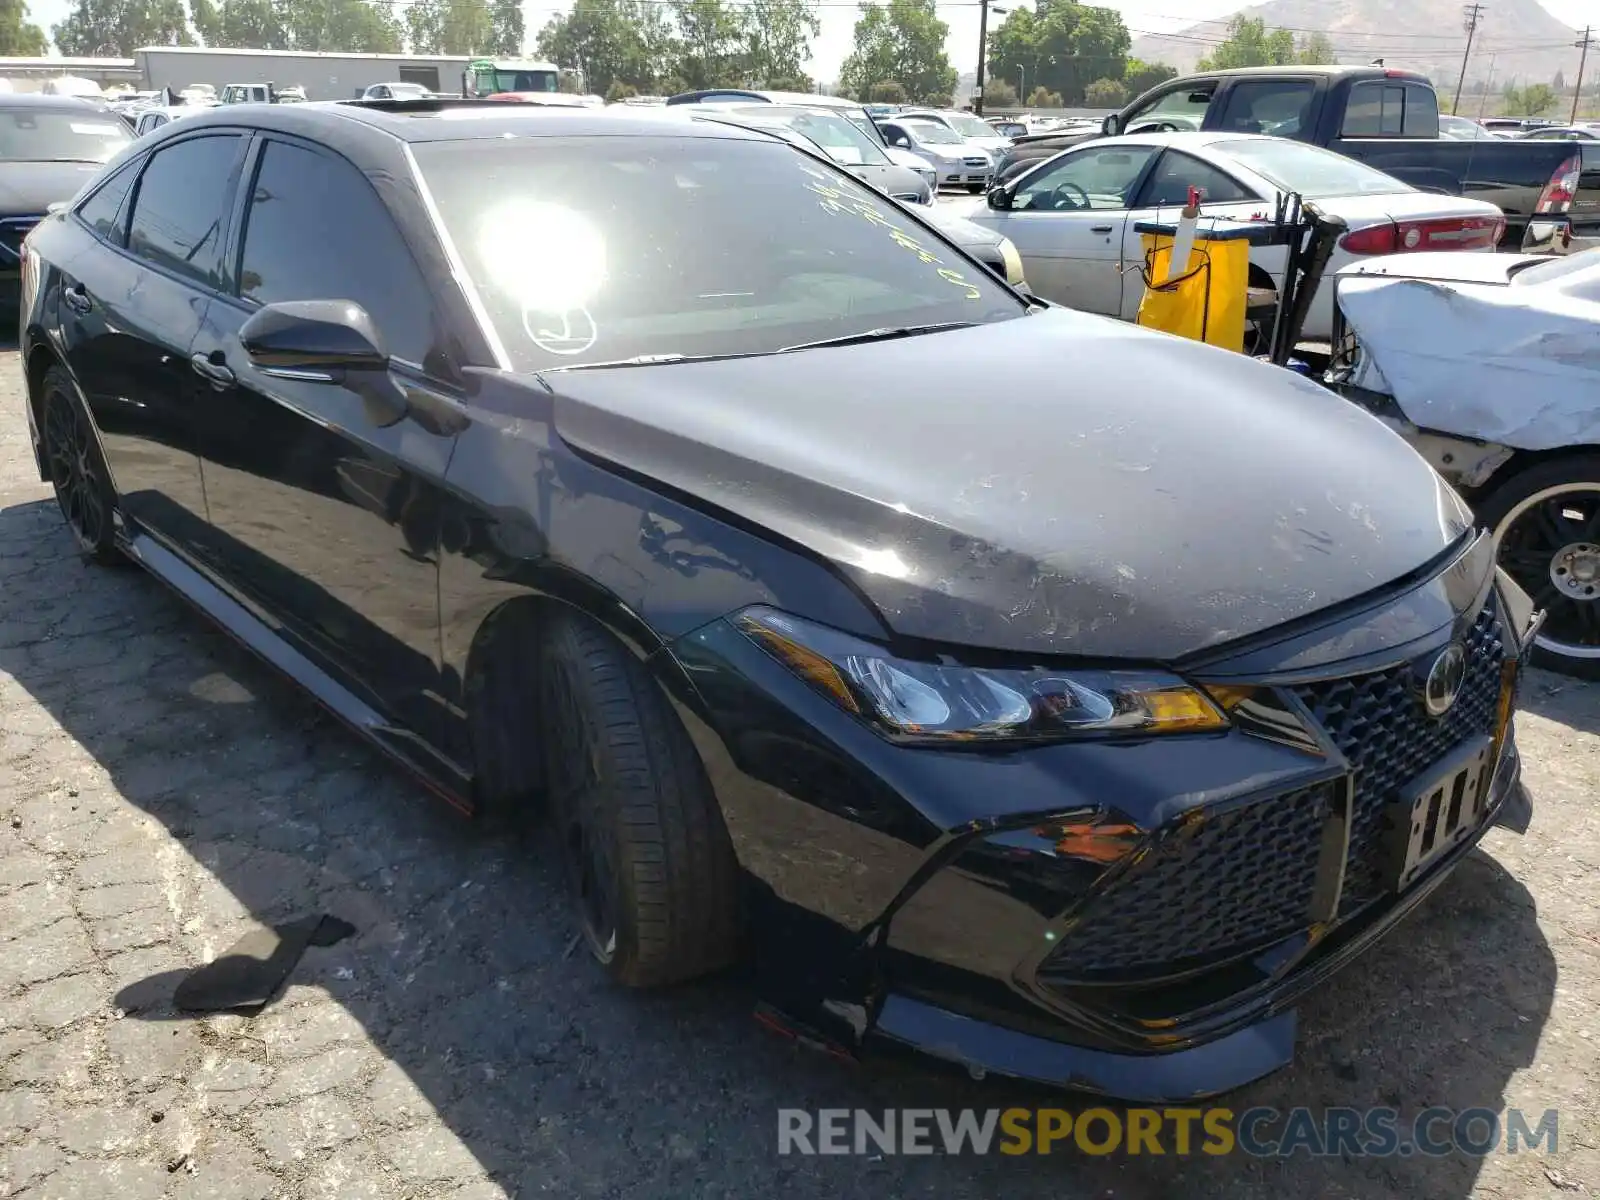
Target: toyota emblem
x: 1444, y: 679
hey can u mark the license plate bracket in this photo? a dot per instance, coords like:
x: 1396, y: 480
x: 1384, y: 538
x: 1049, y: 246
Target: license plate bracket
x: 1438, y: 811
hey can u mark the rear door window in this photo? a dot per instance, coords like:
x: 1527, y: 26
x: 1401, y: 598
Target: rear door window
x: 1386, y: 108
x: 1176, y: 173
x: 105, y: 211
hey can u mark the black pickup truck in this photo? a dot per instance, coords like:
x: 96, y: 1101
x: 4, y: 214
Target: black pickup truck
x: 1386, y: 118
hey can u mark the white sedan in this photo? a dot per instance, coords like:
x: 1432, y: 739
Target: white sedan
x: 1072, y: 217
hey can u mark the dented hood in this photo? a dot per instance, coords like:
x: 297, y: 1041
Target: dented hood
x: 1053, y: 484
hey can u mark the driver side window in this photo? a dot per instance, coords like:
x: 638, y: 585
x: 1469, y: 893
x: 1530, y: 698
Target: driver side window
x: 1091, y: 179
x: 1179, y: 109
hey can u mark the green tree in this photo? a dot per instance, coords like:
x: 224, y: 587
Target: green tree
x: 1251, y: 44
x: 349, y: 26
x: 1062, y: 45
x: 1317, y: 51
x: 449, y: 27
x: 207, y: 22
x: 620, y: 91
x: 19, y: 37
x: 1105, y: 93
x: 1139, y: 77
x: 901, y: 40
x: 777, y: 42
x: 997, y: 93
x: 887, y: 91
x: 710, y: 43
x: 1530, y: 101
x: 507, y: 28
x: 610, y: 41
x: 251, y: 23
x: 116, y: 28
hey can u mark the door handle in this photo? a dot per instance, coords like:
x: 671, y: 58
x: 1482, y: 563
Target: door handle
x: 77, y: 299
x: 1101, y: 228
x: 218, y: 373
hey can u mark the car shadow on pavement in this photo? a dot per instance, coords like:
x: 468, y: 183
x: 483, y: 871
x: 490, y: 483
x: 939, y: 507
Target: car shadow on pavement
x: 459, y: 1040
x: 1574, y: 703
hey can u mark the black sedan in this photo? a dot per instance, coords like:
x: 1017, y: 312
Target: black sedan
x: 50, y: 147
x: 1069, y: 714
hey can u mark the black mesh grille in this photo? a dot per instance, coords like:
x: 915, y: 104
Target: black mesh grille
x: 1244, y: 878
x: 1380, y: 725
x: 1236, y: 880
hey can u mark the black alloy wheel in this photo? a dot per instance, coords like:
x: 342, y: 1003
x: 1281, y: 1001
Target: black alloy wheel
x: 77, y: 470
x: 649, y: 866
x: 1547, y: 522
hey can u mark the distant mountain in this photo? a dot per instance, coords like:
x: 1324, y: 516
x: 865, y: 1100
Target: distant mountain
x: 1527, y: 44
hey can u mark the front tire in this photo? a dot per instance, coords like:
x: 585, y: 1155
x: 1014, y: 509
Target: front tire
x: 1546, y: 522
x: 77, y: 470
x: 648, y: 862
x: 977, y: 189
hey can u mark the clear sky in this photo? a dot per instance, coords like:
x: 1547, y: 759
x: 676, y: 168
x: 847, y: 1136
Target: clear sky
x: 839, y: 16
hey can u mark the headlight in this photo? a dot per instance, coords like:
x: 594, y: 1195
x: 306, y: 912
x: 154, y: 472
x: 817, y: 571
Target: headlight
x: 945, y: 702
x: 1013, y: 261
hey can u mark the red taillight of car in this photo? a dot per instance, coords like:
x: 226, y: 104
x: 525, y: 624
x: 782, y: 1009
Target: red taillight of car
x: 1563, y: 186
x: 1374, y: 239
x: 1444, y: 233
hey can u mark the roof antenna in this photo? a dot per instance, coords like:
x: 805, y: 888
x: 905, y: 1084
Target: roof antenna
x: 1377, y: 62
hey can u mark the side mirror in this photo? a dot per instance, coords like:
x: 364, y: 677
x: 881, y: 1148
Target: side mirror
x: 903, y: 143
x: 1000, y: 196
x: 1111, y: 125
x: 313, y: 340
x: 326, y: 341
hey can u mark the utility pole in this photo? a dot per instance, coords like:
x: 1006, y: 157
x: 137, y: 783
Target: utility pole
x: 1473, y: 13
x: 1483, y: 100
x: 983, y: 49
x: 1577, y: 92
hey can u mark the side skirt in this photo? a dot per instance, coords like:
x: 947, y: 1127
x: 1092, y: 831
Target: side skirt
x: 446, y: 779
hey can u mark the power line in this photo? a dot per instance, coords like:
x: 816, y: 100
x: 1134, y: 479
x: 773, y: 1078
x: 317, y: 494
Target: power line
x: 1473, y: 12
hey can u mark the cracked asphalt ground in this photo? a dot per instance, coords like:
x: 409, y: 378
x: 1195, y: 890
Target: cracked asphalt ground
x: 160, y: 791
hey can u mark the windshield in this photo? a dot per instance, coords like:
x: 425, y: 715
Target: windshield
x: 42, y: 135
x: 971, y: 126
x: 1313, y: 172
x: 525, y: 81
x: 933, y: 133
x: 607, y: 249
x: 838, y: 136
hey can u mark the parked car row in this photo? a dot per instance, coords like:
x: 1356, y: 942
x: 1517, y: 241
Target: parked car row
x: 1546, y: 188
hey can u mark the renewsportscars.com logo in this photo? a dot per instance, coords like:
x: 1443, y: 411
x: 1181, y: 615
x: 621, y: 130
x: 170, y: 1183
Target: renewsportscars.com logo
x: 1258, y: 1132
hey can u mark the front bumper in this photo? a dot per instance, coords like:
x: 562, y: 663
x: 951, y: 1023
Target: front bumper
x: 1257, y: 1039
x: 955, y: 174
x: 1135, y: 919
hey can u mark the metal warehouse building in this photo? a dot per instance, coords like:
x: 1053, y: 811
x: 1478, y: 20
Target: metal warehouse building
x: 324, y: 76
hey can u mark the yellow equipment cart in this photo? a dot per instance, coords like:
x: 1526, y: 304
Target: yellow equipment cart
x: 1212, y: 301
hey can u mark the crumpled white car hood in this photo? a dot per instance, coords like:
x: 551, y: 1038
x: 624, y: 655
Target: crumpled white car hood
x: 1516, y: 364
